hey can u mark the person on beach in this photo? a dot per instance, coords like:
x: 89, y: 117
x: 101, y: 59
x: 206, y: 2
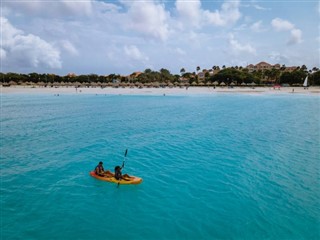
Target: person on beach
x: 99, y: 170
x: 118, y: 174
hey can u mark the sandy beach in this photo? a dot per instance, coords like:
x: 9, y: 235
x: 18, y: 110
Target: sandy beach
x: 158, y: 91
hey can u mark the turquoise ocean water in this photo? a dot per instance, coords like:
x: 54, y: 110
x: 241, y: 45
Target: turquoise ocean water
x: 213, y: 167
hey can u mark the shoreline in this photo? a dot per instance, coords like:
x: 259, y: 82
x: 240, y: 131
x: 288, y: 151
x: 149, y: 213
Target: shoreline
x: 158, y: 91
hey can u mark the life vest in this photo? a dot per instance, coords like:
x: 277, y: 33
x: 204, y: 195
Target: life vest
x: 101, y: 169
x: 117, y: 173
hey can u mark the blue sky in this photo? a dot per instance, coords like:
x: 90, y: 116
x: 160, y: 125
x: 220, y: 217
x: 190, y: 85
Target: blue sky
x: 124, y: 36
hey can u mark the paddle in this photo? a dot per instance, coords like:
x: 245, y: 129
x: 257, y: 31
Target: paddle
x: 124, y: 159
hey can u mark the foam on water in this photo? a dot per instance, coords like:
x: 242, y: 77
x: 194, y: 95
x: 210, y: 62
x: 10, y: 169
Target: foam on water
x: 214, y: 167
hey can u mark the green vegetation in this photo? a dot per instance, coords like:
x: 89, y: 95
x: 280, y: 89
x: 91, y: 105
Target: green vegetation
x: 163, y: 77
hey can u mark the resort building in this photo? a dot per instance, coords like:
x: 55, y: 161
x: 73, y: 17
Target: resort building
x: 184, y: 80
x: 70, y: 75
x: 201, y: 76
x: 134, y: 75
x: 290, y: 69
x: 262, y: 66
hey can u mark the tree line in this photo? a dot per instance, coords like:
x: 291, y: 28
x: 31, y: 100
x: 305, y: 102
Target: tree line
x: 236, y: 75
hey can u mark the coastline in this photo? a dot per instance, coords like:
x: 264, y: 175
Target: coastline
x: 158, y: 91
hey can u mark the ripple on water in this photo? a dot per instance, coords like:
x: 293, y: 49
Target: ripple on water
x: 222, y: 167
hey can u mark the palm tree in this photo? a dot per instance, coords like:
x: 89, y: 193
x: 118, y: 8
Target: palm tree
x: 182, y: 71
x: 304, y: 68
x: 198, y: 68
x: 148, y: 70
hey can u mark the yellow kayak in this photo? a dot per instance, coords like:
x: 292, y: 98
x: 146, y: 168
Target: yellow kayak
x: 131, y: 180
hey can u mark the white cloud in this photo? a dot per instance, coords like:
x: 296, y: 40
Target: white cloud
x: 69, y: 47
x: 122, y: 36
x: 98, y: 6
x: 228, y: 14
x: 189, y: 12
x: 284, y: 25
x: 296, y: 36
x: 281, y: 25
x: 180, y: 51
x: 134, y: 53
x: 259, y: 7
x: 57, y: 8
x: 151, y: 19
x: 3, y: 54
x: 239, y: 47
x: 256, y: 27
x: 278, y: 57
x: 192, y: 14
x: 27, y: 50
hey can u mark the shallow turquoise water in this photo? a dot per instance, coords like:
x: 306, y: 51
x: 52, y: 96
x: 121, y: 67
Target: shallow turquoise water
x: 214, y: 167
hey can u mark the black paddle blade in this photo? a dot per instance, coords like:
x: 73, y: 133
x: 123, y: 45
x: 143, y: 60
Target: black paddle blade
x: 125, y: 154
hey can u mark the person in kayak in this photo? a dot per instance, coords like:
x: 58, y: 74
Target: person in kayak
x: 99, y: 170
x: 118, y: 174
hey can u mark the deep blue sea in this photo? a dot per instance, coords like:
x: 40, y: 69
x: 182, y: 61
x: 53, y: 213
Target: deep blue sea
x: 222, y: 166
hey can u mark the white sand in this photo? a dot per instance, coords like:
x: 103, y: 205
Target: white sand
x: 158, y: 91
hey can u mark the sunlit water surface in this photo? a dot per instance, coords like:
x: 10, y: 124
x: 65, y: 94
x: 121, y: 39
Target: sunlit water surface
x: 213, y: 167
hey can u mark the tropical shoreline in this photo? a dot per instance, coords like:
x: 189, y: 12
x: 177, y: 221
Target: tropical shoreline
x: 158, y: 91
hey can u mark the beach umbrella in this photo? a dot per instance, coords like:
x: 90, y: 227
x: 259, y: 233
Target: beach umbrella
x: 194, y: 84
x: 77, y: 84
x: 12, y: 83
x: 123, y: 84
x: 147, y: 85
x: 163, y: 84
x: 93, y: 84
x: 222, y: 84
x: 215, y: 83
x: 41, y: 84
x: 170, y: 85
x: 232, y: 84
x: 201, y: 84
x: 243, y: 84
x: 156, y: 84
